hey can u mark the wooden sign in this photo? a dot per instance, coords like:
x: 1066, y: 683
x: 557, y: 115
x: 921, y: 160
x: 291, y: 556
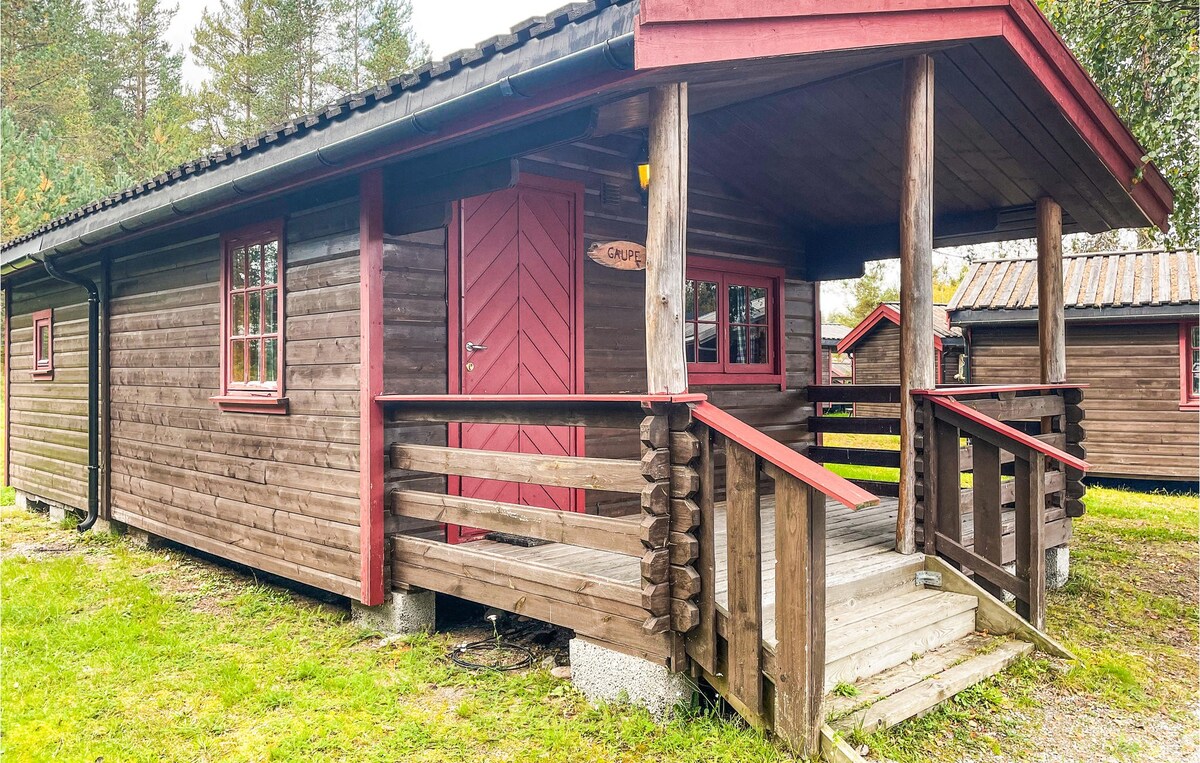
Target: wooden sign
x: 621, y: 255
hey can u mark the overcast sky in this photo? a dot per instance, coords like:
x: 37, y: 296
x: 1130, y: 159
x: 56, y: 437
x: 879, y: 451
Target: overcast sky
x: 447, y: 25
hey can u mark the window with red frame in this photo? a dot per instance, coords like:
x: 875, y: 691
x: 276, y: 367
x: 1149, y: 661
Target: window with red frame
x: 252, y: 317
x: 43, y: 344
x: 1190, y: 346
x: 731, y: 326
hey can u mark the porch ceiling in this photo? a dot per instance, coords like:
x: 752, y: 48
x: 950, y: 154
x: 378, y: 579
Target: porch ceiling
x: 825, y: 155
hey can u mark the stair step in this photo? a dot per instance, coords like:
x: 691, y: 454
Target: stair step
x: 889, y: 631
x: 884, y: 618
x: 880, y: 574
x: 962, y: 664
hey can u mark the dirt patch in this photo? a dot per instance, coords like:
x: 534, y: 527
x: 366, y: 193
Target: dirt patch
x: 39, y: 550
x: 1069, y: 727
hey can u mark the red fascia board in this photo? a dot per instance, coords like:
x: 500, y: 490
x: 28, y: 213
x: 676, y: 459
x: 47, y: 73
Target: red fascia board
x: 807, y: 471
x: 999, y: 427
x: 883, y: 312
x: 676, y: 33
x: 691, y: 397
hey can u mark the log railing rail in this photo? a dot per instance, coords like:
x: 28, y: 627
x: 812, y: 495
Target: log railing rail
x: 857, y: 425
x: 1046, y: 469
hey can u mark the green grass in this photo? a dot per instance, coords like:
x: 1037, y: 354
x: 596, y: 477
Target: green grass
x: 1130, y: 616
x: 130, y: 655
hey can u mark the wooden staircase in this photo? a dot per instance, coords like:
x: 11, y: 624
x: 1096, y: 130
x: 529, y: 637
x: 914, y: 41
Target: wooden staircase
x: 897, y: 649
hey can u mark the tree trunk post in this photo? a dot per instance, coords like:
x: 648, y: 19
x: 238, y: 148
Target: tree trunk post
x: 1052, y: 333
x: 666, y: 239
x: 917, y: 360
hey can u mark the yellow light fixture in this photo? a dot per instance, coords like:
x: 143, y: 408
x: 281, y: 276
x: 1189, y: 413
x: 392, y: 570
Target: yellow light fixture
x: 642, y: 170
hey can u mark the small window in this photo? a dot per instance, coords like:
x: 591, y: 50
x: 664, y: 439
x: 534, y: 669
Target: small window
x: 1189, y: 347
x: 731, y: 325
x: 43, y: 344
x: 252, y: 320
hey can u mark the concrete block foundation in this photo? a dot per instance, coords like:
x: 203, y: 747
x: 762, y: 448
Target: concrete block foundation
x: 1058, y: 567
x: 605, y: 675
x: 402, y: 613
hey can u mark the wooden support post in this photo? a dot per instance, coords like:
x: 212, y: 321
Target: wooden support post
x: 370, y: 385
x: 1052, y: 334
x: 799, y: 612
x: 1029, y: 477
x: 666, y: 234
x: 917, y: 360
x: 948, y: 493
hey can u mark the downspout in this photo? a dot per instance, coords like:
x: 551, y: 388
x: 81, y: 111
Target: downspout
x: 93, y: 360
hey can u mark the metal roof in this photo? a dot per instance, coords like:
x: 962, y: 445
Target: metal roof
x: 534, y: 28
x: 1136, y: 279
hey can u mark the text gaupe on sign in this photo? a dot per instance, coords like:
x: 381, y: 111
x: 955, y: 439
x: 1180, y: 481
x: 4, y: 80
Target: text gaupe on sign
x: 621, y: 255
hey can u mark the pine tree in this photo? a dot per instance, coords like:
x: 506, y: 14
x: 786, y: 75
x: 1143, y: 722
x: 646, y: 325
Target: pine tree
x: 392, y: 45
x: 234, y: 44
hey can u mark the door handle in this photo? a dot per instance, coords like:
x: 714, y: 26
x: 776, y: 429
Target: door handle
x: 472, y: 347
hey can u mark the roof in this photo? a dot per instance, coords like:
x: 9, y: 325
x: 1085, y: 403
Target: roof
x: 1109, y: 283
x: 943, y: 332
x: 1021, y: 87
x: 832, y: 333
x: 535, y: 28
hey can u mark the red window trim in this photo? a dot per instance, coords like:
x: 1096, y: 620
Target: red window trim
x: 1187, y: 401
x: 234, y: 398
x: 723, y: 372
x: 43, y: 371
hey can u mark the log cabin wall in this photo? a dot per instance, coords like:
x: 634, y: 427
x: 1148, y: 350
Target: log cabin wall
x: 277, y: 493
x: 720, y: 225
x: 48, y: 417
x: 1135, y: 428
x: 877, y: 361
x: 415, y: 354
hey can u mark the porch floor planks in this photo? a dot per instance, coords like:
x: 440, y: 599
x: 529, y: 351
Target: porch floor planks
x: 859, y: 545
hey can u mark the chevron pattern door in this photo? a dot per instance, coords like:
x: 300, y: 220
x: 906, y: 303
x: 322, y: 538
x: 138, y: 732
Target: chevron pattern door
x: 518, y: 326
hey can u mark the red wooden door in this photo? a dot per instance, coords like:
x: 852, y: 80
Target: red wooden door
x: 518, y: 274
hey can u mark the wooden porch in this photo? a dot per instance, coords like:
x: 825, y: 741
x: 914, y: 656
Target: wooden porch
x: 737, y: 568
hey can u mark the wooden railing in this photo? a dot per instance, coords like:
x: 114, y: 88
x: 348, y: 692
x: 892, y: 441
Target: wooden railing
x: 674, y: 614
x: 779, y: 687
x: 857, y: 394
x: 1046, y: 470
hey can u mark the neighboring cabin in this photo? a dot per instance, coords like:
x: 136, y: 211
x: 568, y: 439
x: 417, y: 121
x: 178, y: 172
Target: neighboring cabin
x: 874, y: 346
x: 1131, y: 322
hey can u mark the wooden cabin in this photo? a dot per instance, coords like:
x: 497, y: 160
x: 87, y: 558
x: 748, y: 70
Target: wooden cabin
x: 874, y: 348
x: 1132, y: 338
x: 835, y: 368
x: 561, y: 287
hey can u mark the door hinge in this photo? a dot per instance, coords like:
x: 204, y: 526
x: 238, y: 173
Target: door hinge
x: 925, y: 577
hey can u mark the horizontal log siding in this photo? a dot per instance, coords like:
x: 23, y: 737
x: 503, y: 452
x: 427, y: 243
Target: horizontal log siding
x: 414, y: 347
x: 48, y: 418
x: 877, y: 361
x: 719, y: 225
x: 278, y: 493
x: 1134, y: 425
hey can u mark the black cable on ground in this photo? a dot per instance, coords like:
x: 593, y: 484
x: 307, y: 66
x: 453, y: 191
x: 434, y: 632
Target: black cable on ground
x: 497, y: 655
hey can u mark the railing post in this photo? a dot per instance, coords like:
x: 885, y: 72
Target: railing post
x: 684, y: 517
x: 1076, y: 434
x: 986, y: 504
x: 656, y: 523
x: 744, y: 571
x: 1029, y: 476
x: 799, y: 612
x: 702, y: 641
x: 948, y: 495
